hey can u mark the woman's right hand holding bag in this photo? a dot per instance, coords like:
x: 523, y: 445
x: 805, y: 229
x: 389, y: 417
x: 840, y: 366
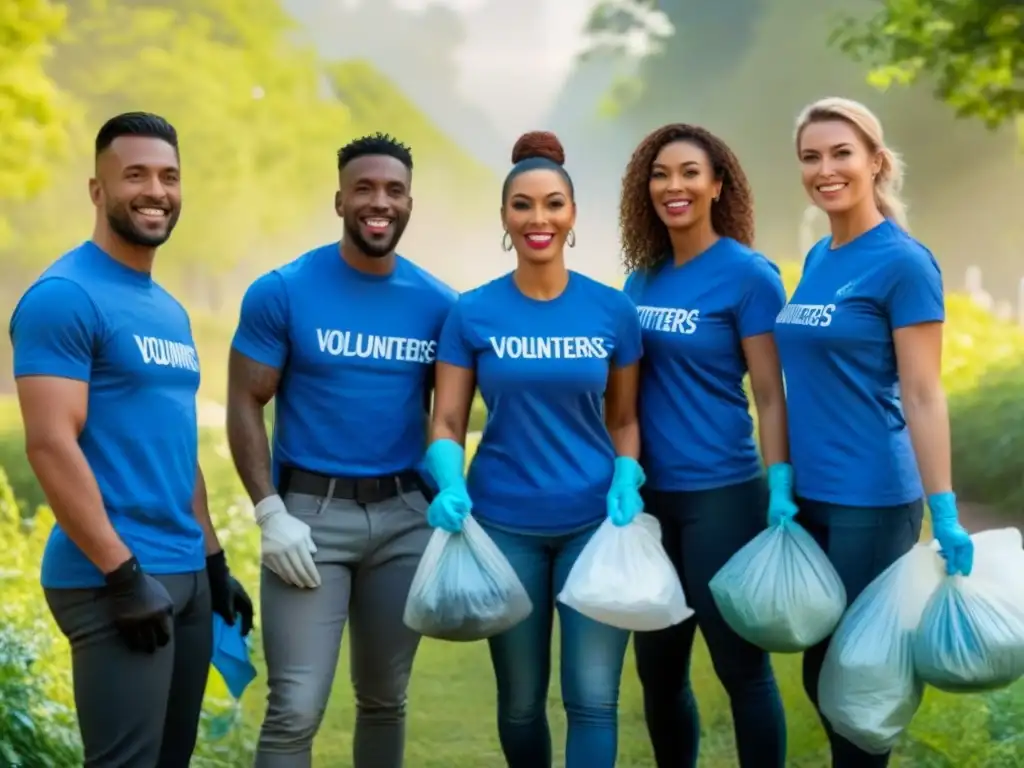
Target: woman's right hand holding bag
x: 445, y: 461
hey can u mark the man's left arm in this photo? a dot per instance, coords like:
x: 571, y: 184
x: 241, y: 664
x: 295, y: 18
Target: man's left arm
x: 201, y: 509
x: 228, y: 597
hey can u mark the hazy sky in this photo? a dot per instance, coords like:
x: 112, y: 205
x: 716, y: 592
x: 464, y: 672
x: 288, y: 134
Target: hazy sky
x: 515, y: 55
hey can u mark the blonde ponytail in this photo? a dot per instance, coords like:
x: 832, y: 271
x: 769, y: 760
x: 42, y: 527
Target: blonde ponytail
x: 889, y: 181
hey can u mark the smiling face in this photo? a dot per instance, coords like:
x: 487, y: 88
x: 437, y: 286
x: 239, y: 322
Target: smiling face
x: 375, y: 203
x: 837, y: 165
x: 683, y: 185
x: 138, y: 188
x: 539, y: 214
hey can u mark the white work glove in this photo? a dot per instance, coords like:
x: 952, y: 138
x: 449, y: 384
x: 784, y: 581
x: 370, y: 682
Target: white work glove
x: 287, y: 544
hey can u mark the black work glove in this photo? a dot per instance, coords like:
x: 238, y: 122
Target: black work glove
x: 142, y: 608
x: 229, y: 598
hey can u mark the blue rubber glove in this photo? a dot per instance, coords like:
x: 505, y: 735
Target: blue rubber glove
x: 445, y: 461
x: 449, y: 509
x: 956, y: 544
x: 781, y: 506
x: 623, y: 500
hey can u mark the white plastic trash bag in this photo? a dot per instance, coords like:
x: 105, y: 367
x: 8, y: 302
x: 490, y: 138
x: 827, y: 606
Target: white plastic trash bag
x: 623, y: 578
x: 464, y: 588
x: 868, y: 690
x: 971, y: 635
x: 780, y: 592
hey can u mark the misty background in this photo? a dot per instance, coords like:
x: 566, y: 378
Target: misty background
x: 263, y: 94
x: 487, y: 70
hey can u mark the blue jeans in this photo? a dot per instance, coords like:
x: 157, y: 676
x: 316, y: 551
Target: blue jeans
x: 701, y: 530
x: 592, y: 655
x: 861, y: 542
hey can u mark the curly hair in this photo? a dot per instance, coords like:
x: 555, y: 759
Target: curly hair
x: 644, y: 237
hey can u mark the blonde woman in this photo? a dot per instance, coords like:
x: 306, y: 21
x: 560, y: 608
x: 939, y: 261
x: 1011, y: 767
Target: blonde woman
x: 860, y: 345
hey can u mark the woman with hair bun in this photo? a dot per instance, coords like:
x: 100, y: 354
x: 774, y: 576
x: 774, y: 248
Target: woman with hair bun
x: 861, y: 343
x: 707, y: 303
x: 555, y: 355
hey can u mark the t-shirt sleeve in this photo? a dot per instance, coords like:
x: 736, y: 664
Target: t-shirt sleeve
x: 916, y: 295
x: 629, y: 346
x: 262, y: 333
x: 454, y: 347
x: 763, y: 298
x: 634, y: 286
x: 54, y: 330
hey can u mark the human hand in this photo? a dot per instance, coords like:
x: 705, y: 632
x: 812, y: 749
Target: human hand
x: 450, y: 508
x: 287, y: 544
x: 142, y: 607
x: 955, y: 542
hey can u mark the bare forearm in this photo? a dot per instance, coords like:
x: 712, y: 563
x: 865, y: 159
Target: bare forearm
x: 250, y: 448
x: 773, y: 430
x: 626, y: 439
x: 442, y: 428
x: 928, y: 419
x: 73, y: 495
x: 201, y: 509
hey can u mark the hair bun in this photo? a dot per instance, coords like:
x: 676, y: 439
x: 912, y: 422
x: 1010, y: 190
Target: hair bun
x: 538, y: 144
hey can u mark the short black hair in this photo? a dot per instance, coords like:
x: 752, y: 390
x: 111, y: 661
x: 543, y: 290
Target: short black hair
x: 377, y: 144
x: 143, y: 124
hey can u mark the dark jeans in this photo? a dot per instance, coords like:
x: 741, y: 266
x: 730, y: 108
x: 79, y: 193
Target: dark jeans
x: 138, y: 710
x: 592, y: 655
x: 701, y: 530
x: 861, y: 542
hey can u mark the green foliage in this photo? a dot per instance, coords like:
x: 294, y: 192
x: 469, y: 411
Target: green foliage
x: 988, y: 450
x: 33, y: 113
x: 260, y: 118
x: 972, y: 50
x: 31, y: 109
x: 625, y: 32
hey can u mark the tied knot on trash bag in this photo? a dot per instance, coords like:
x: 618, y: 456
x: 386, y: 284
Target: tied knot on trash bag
x: 916, y: 625
x: 623, y: 578
x: 464, y: 588
x: 780, y: 592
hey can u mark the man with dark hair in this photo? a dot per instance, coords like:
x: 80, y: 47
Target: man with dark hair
x: 343, y: 338
x: 107, y: 375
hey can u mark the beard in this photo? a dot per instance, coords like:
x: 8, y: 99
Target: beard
x: 376, y: 248
x: 120, y: 222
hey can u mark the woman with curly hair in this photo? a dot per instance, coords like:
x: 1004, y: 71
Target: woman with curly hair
x: 707, y: 304
x: 556, y: 356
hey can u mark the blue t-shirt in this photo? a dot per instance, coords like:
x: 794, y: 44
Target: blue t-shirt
x: 695, y: 422
x: 92, y: 319
x: 849, y: 442
x: 545, y: 460
x: 356, y: 352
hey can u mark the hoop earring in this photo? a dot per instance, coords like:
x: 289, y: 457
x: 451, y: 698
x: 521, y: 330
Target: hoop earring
x: 506, y: 242
x: 570, y: 239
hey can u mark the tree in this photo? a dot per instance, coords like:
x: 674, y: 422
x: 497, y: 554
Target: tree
x: 258, y: 130
x: 32, y: 111
x: 972, y: 50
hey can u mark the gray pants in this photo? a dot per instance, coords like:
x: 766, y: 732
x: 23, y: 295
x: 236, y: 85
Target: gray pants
x: 366, y: 556
x: 137, y: 710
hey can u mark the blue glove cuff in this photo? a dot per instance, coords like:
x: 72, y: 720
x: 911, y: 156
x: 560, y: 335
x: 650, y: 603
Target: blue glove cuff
x: 445, y: 461
x: 780, y: 478
x: 943, y: 506
x: 628, y: 472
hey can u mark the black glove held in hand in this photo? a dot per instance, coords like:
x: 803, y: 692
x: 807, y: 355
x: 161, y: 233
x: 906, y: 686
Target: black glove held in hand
x: 142, y: 607
x: 229, y: 598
